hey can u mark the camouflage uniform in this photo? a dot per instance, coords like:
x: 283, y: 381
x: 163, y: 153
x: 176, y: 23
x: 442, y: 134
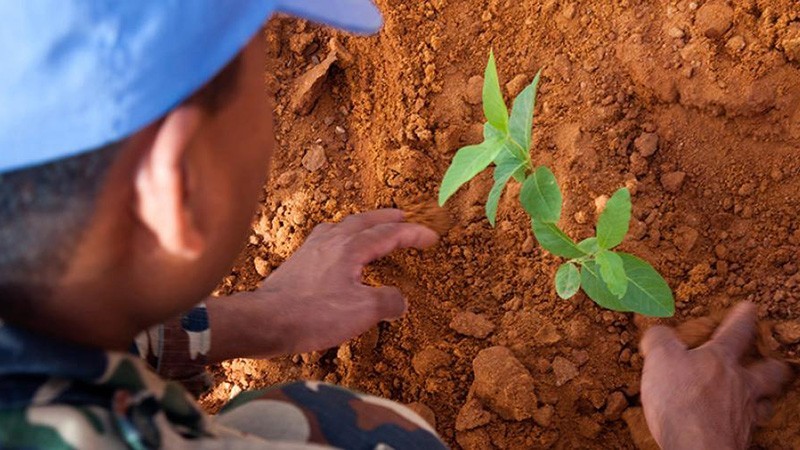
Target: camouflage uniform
x: 59, y: 395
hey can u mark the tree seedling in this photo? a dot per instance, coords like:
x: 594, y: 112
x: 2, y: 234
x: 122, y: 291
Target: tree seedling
x: 614, y: 280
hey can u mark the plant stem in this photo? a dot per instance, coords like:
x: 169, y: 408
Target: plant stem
x: 523, y: 152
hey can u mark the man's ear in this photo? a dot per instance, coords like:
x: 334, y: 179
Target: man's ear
x: 160, y: 184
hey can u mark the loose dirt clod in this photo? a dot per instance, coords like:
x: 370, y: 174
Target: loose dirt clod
x: 714, y: 18
x: 430, y: 215
x: 673, y: 181
x: 616, y: 403
x: 315, y: 158
x: 430, y: 359
x: 308, y: 87
x: 564, y: 370
x: 788, y: 332
x: 504, y: 384
x: 647, y: 144
x: 472, y: 415
x: 471, y: 324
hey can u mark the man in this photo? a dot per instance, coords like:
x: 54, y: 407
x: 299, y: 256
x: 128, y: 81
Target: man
x: 135, y: 140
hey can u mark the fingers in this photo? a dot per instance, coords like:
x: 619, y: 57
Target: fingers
x: 736, y: 332
x: 661, y: 340
x: 390, y: 303
x: 380, y: 240
x: 360, y: 222
x: 766, y: 378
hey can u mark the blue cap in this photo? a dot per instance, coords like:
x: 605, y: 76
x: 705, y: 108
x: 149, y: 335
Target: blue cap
x: 79, y: 74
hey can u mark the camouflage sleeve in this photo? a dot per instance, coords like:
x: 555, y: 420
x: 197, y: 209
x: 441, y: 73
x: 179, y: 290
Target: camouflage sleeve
x: 312, y: 412
x: 178, y: 349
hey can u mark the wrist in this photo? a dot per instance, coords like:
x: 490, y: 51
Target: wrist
x: 246, y: 325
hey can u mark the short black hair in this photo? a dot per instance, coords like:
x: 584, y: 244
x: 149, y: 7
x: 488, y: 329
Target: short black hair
x: 45, y: 209
x: 42, y: 213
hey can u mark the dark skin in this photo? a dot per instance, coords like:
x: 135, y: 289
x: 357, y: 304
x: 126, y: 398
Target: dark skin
x: 176, y: 210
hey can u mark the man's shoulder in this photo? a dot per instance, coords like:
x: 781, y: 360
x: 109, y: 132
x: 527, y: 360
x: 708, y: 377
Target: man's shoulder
x: 58, y: 426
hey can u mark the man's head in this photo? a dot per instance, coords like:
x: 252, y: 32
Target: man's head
x: 147, y: 224
x: 117, y: 239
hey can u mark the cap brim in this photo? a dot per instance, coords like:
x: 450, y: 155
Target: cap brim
x: 357, y: 16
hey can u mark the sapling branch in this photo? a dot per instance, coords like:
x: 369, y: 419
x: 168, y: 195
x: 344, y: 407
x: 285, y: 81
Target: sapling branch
x: 614, y: 280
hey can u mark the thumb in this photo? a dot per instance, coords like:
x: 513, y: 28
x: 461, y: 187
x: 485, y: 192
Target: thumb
x: 661, y: 339
x: 389, y: 302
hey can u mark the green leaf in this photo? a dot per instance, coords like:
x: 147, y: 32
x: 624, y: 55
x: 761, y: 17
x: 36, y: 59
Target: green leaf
x: 589, y: 246
x: 597, y: 290
x: 508, y: 158
x: 552, y: 239
x: 612, y: 272
x: 502, y: 173
x: 491, y: 133
x: 468, y: 162
x: 521, y: 121
x: 541, y: 197
x: 568, y: 281
x: 494, y: 107
x: 648, y: 293
x: 612, y: 226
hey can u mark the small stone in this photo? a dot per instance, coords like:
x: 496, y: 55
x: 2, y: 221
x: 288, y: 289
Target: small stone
x: 544, y: 416
x: 646, y: 144
x: 308, y: 88
x: 673, y: 181
x: 315, y: 158
x: 686, y: 238
x: 547, y: 334
x: 423, y: 411
x: 472, y: 415
x: 564, y: 370
x: 516, y: 85
x: 616, y: 404
x: 428, y: 360
x: 735, y: 44
x: 262, y: 267
x: 286, y: 178
x: 721, y: 251
x: 714, y: 18
x: 580, y: 357
x: 787, y: 332
x: 504, y: 384
x: 569, y: 11
x: 676, y: 33
x: 471, y: 324
x: 600, y: 203
x: 580, y: 217
x: 791, y: 47
x: 474, y: 94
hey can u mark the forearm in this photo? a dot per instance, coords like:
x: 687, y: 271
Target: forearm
x: 247, y: 325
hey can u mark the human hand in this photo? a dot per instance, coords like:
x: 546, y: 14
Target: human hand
x: 316, y: 298
x: 705, y: 398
